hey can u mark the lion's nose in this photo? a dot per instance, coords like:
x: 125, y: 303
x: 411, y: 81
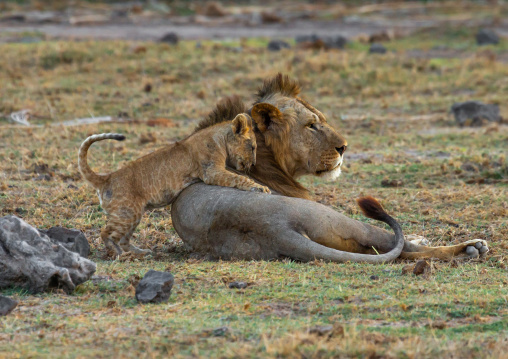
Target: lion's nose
x: 341, y: 149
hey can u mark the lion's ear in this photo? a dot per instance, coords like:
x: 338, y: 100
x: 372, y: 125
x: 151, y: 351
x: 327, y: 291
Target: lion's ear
x: 241, y: 124
x: 265, y: 115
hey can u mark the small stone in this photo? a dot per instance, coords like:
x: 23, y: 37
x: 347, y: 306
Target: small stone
x: 238, y: 285
x: 316, y: 42
x: 72, y: 239
x: 487, y: 37
x: 277, y: 45
x: 306, y: 38
x: 7, y: 305
x: 337, y: 42
x: 391, y: 183
x: 421, y: 267
x: 377, y: 49
x: 170, y: 38
x: 155, y: 287
x: 374, y: 277
x: 220, y: 332
x: 475, y: 113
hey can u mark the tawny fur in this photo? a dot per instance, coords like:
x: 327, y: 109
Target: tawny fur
x: 294, y: 138
x: 225, y: 111
x: 156, y: 179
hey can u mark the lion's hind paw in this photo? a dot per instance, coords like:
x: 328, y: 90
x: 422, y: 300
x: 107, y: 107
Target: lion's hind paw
x: 476, y: 248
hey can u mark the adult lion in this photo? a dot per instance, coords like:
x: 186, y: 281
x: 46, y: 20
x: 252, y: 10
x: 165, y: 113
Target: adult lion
x: 296, y: 140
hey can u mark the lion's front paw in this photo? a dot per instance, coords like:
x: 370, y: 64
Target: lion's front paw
x: 476, y: 248
x: 261, y: 189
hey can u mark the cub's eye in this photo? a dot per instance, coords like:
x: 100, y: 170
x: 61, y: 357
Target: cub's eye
x: 312, y: 126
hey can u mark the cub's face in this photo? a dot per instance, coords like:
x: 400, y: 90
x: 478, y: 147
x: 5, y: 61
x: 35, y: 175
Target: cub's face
x: 241, y: 145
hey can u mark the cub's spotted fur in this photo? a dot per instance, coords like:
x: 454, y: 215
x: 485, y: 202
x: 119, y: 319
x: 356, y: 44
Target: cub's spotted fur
x: 156, y: 179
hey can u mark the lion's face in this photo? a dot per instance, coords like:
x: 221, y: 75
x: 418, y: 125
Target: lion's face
x: 241, y: 144
x: 300, y: 138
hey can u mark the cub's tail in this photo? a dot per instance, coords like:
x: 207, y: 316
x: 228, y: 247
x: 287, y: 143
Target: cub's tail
x: 92, y: 177
x: 372, y: 208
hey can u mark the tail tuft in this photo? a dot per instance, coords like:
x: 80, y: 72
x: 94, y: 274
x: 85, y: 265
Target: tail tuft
x: 109, y: 136
x: 372, y: 208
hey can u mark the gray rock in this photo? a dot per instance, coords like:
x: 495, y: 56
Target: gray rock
x: 35, y: 262
x: 155, y: 287
x: 487, y: 37
x: 330, y: 42
x: 170, y: 38
x: 306, y: 38
x: 72, y: 239
x: 7, y: 305
x: 238, y: 285
x: 277, y: 45
x: 221, y: 331
x: 377, y: 49
x: 17, y: 17
x: 337, y: 42
x: 474, y: 113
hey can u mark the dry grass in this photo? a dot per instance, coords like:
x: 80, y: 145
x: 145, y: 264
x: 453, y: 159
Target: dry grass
x: 393, y: 110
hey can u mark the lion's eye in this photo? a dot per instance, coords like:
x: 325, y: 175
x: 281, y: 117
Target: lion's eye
x: 312, y: 126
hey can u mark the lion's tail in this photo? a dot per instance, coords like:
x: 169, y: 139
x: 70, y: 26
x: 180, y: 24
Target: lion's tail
x: 372, y: 208
x: 305, y: 249
x: 93, y: 178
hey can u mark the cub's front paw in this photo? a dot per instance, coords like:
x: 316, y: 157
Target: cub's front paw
x: 261, y: 189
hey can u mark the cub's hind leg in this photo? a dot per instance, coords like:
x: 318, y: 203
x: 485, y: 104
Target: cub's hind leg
x: 125, y: 241
x: 122, y: 223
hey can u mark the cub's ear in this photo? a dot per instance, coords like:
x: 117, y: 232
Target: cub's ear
x: 266, y: 115
x: 241, y: 124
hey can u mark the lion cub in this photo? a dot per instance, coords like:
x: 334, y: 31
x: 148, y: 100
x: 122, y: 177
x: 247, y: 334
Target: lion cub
x: 156, y: 179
